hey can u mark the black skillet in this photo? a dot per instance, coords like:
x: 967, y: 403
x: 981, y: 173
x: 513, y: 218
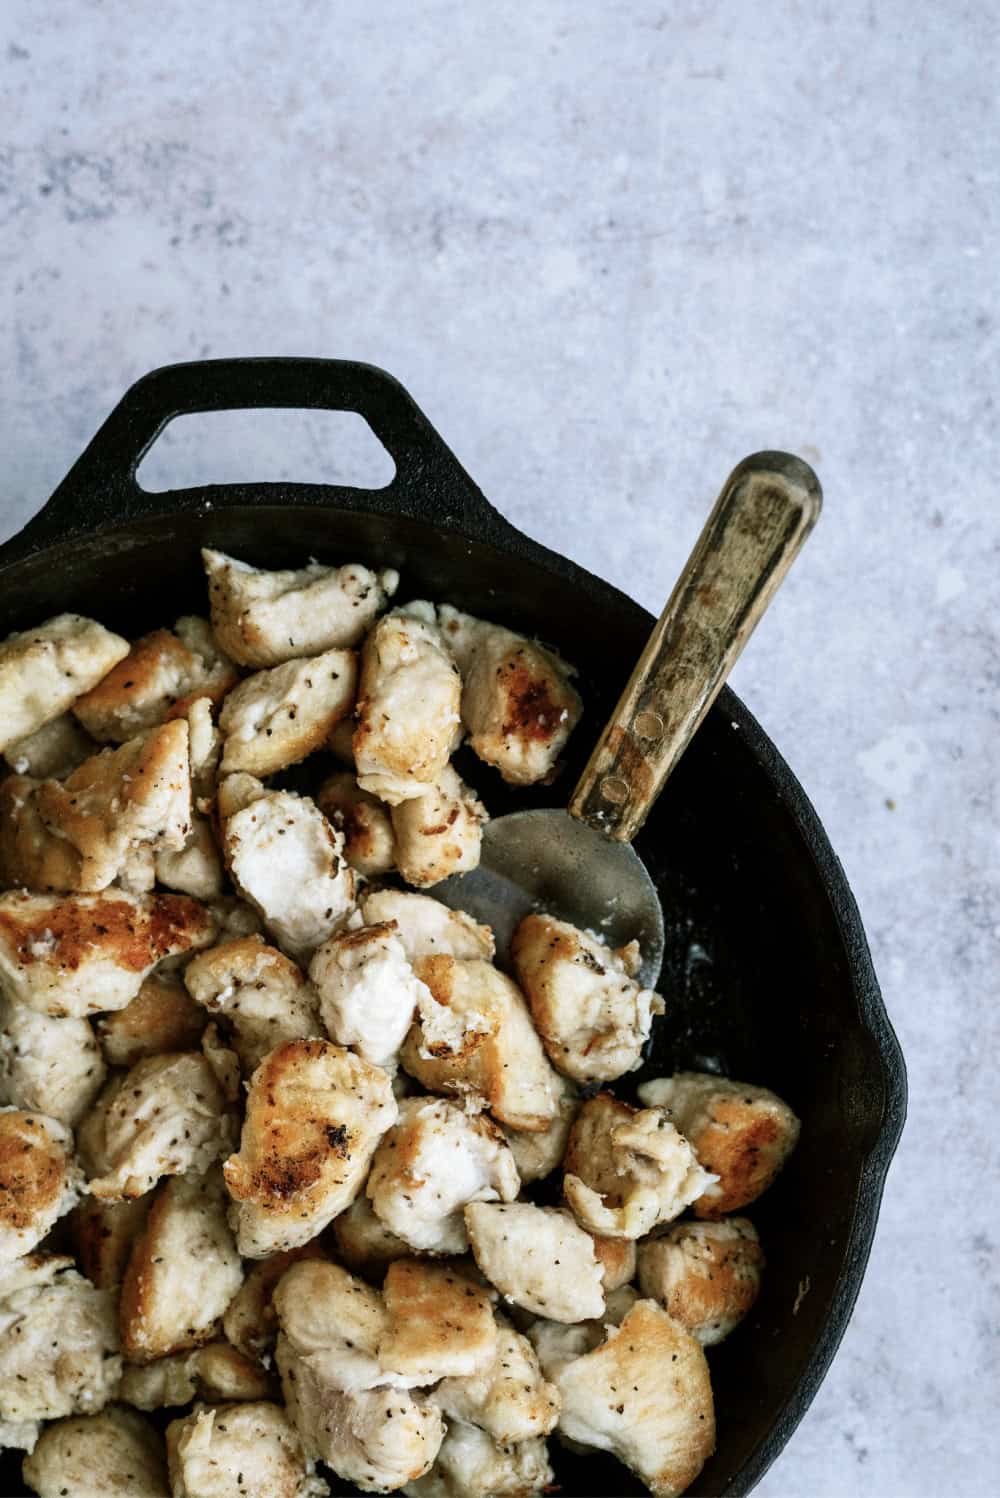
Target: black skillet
x: 767, y: 970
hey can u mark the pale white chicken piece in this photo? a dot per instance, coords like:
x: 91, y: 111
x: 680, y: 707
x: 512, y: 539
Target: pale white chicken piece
x: 162, y: 1017
x: 538, y: 1258
x: 79, y: 834
x: 236, y: 792
x: 264, y: 618
x: 368, y: 992
x: 408, y: 706
x: 434, y: 1161
x: 426, y: 927
x: 51, y: 1066
x: 164, y: 1117
x: 224, y: 1062
x: 251, y: 1322
x: 216, y: 1373
x: 538, y: 1153
x: 474, y: 1036
x: 440, y: 833
x: 315, y: 1114
x: 81, y: 954
x: 116, y: 1454
x: 645, y: 1396
x: 518, y: 704
x: 58, y: 1341
x: 706, y: 1274
x: 156, y: 682
x: 137, y: 874
x: 103, y: 1234
x: 364, y: 1243
x: 196, y: 869
x: 289, y: 863
x: 741, y: 1133
x: 52, y: 751
x: 369, y: 843
x: 471, y: 1464
x: 258, y: 992
x: 277, y: 717
x: 509, y: 1399
x: 627, y: 1171
x: 557, y: 1343
x: 39, y: 1178
x: 247, y: 1450
x: 592, y: 1015
x: 44, y: 670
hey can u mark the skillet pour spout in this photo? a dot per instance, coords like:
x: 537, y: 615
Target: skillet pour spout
x: 767, y: 973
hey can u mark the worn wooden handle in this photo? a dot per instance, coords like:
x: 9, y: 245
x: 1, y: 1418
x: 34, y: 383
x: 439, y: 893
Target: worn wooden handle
x: 766, y: 510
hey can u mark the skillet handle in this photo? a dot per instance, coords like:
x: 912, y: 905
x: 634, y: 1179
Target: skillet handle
x: 101, y: 488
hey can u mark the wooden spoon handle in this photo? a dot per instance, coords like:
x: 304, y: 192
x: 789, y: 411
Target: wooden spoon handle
x: 767, y: 508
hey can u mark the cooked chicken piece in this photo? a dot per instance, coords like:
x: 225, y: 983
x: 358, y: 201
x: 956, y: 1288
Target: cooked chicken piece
x: 239, y: 1451
x: 617, y: 1258
x: 364, y: 1243
x: 426, y: 927
x: 645, y: 1396
x: 440, y: 1323
x: 440, y: 833
x: 258, y: 992
x: 538, y: 1154
x: 408, y: 706
x: 81, y: 954
x: 538, y: 1258
x: 197, y: 868
x: 592, y: 1015
x: 627, y: 1171
x: 742, y: 1134
x: 47, y: 1065
x: 102, y: 1234
x: 471, y: 1464
x: 44, y: 670
x: 289, y: 863
x: 251, y: 1322
x: 263, y: 618
x: 368, y: 992
x: 235, y: 792
x: 77, y: 834
x: 706, y: 1274
x: 475, y: 1036
x: 369, y: 845
x: 430, y: 1165
x: 315, y: 1114
x: 39, y: 1178
x: 224, y: 1062
x: 58, y: 1341
x: 164, y: 1117
x: 216, y: 1373
x: 557, y: 1344
x: 162, y: 1017
x: 52, y: 751
x: 183, y: 1272
x: 156, y: 681
x: 206, y: 751
x: 509, y: 1399
x: 96, y: 1456
x: 341, y: 742
x: 277, y: 717
x: 334, y: 1322
x: 517, y: 702
x: 137, y: 874
x: 235, y: 918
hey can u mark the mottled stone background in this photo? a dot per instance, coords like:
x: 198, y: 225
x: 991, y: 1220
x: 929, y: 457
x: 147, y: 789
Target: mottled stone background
x: 610, y: 247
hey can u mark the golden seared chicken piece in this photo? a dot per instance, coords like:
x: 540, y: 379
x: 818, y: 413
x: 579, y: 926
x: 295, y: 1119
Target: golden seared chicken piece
x: 81, y: 954
x: 627, y: 1171
x: 58, y: 1342
x: 289, y: 863
x: 518, y: 705
x: 537, y: 1154
x: 706, y: 1274
x: 162, y: 1017
x: 408, y: 706
x: 645, y: 1396
x: 256, y: 991
x: 430, y: 1165
x: 158, y: 679
x: 93, y: 1456
x: 426, y: 927
x: 471, y: 1464
x: 592, y: 1015
x: 103, y: 1234
x: 618, y: 1260
x: 39, y: 1178
x: 183, y: 1271
x: 367, y: 991
x: 440, y: 1323
x: 216, y: 1373
x: 196, y: 869
x: 440, y: 833
x: 315, y: 1114
x: 251, y: 1322
x: 538, y: 1258
x: 362, y: 819
x: 78, y: 834
x: 52, y: 751
x: 51, y: 1066
x: 239, y: 1451
x: 264, y: 618
x: 164, y: 1117
x: 742, y: 1134
x: 474, y: 1036
x: 364, y: 1243
x: 276, y: 718
x: 43, y: 671
x: 509, y: 1399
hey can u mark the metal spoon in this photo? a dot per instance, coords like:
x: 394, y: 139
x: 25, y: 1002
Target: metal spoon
x: 578, y: 865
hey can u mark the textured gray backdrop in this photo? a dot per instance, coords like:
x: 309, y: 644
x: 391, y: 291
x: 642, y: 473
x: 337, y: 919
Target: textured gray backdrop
x: 610, y: 247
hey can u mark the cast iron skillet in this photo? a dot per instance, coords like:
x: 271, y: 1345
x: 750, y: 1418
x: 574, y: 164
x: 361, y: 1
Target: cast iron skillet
x: 767, y: 973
